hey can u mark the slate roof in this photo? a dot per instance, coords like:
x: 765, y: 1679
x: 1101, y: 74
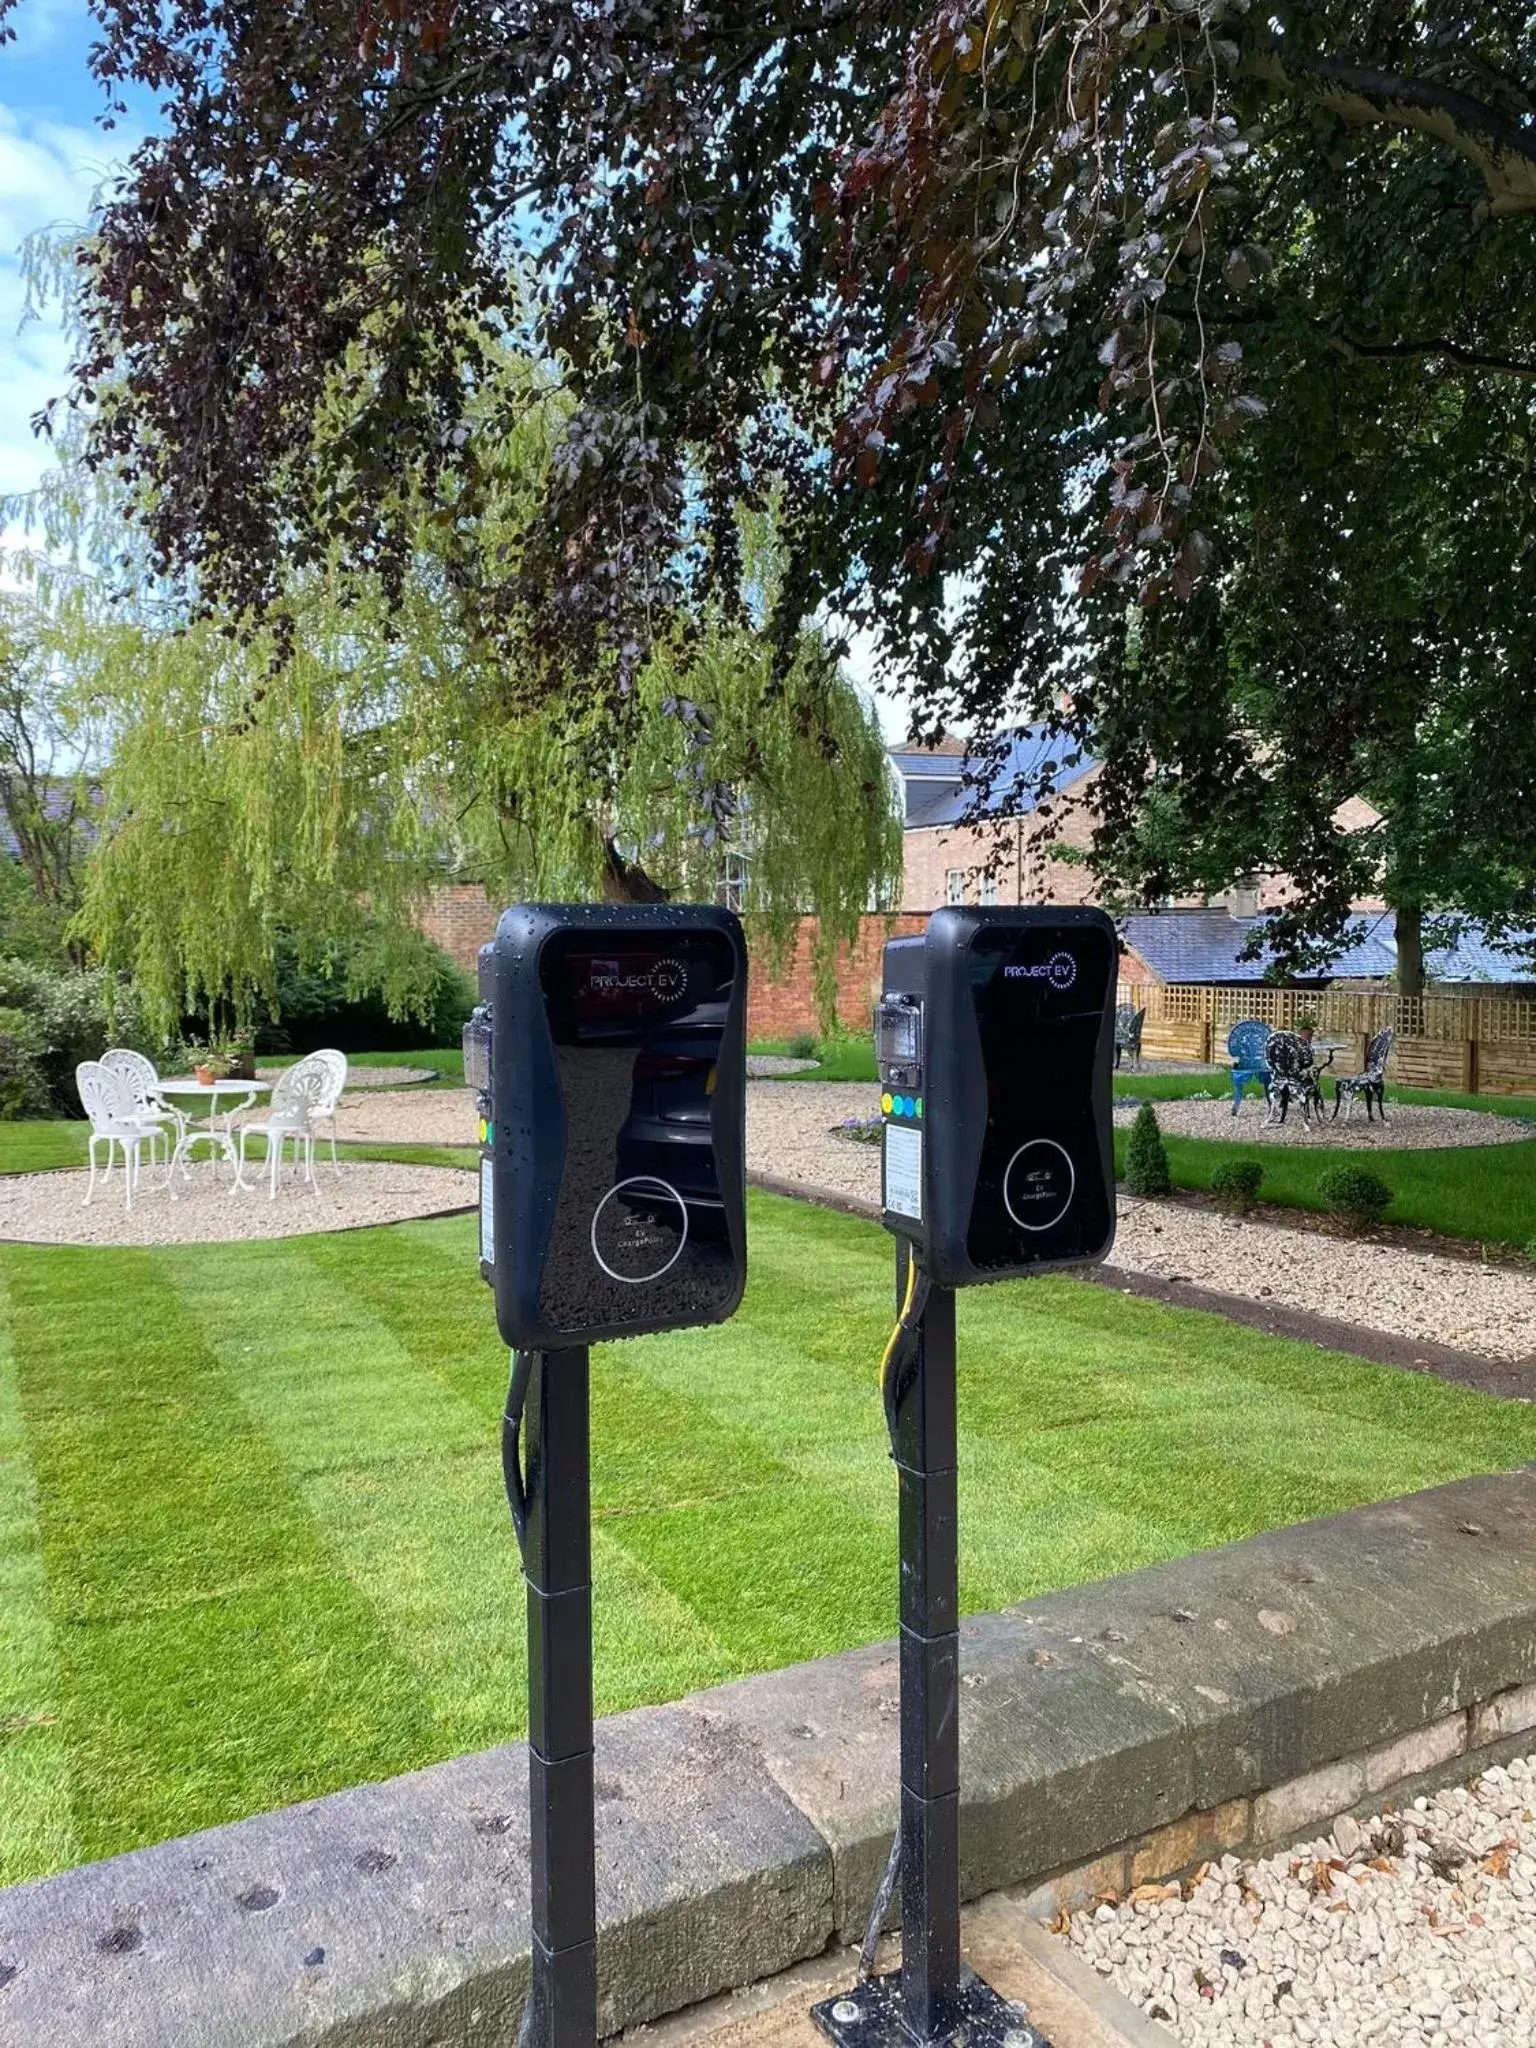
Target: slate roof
x: 1204, y: 946
x: 938, y: 793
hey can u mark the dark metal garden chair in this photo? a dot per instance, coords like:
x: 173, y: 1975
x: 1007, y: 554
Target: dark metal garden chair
x: 1370, y: 1082
x: 1246, y: 1043
x: 1128, y: 1023
x: 1293, y: 1077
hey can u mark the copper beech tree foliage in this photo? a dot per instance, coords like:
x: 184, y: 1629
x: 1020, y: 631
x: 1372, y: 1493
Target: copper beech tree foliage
x: 1006, y: 305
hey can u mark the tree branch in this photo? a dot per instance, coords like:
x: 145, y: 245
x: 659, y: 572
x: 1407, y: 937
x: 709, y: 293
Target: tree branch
x: 1501, y: 150
x: 1465, y: 358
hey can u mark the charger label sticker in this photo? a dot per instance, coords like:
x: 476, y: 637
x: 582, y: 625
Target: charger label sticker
x: 487, y: 1214
x: 904, y: 1171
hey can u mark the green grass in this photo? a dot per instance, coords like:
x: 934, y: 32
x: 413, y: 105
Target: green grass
x: 447, y: 1062
x: 253, y: 1545
x: 842, y: 1059
x: 1483, y: 1192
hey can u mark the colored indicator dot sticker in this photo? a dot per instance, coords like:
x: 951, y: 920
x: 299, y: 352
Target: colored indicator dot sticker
x: 887, y: 1103
x: 907, y: 1105
x: 919, y: 1105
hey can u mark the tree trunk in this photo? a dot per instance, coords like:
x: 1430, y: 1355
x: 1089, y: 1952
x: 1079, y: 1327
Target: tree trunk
x: 626, y: 881
x: 1410, y: 948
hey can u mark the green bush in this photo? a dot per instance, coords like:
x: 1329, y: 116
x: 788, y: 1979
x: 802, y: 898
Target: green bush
x: 1356, y: 1195
x: 802, y: 1045
x: 1146, y: 1159
x: 73, y: 1016
x: 23, y: 1084
x: 321, y: 1004
x: 1236, y: 1183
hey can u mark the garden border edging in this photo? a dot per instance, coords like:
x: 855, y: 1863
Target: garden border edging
x: 1112, y: 1734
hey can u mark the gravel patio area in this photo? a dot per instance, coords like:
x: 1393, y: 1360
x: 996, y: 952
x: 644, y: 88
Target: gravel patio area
x: 48, y: 1208
x: 369, y: 1077
x: 1410, y: 1930
x: 1486, y: 1309
x: 1411, y: 1126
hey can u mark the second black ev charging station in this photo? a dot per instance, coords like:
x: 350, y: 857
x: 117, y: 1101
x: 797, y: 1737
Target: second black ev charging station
x: 995, y: 1044
x: 608, y: 1058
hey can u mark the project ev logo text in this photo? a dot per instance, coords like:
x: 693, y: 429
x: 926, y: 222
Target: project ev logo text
x: 1060, y: 971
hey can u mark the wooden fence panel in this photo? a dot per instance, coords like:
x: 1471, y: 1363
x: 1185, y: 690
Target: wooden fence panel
x: 1463, y: 1041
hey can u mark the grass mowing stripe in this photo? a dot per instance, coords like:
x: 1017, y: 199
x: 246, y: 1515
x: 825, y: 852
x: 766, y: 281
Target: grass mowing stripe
x: 650, y: 1444
x: 212, y: 1661
x: 37, y: 1831
x: 402, y: 1473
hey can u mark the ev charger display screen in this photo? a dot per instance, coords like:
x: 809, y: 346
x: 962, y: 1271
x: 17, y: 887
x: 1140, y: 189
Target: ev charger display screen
x: 639, y: 1230
x: 1039, y: 998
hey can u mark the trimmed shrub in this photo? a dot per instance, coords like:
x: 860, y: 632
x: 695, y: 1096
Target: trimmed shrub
x: 1236, y: 1183
x: 802, y: 1045
x: 1146, y: 1157
x: 72, y: 1017
x: 1357, y: 1196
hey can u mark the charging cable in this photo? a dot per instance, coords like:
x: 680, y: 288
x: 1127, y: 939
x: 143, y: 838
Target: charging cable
x: 511, y: 1446
x: 898, y: 1350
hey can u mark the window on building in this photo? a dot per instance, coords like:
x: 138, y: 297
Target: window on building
x: 988, y: 888
x: 735, y: 883
x: 954, y: 885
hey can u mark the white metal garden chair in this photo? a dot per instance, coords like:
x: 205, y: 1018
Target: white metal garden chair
x: 110, y: 1105
x: 143, y: 1083
x: 298, y: 1096
x: 336, y: 1068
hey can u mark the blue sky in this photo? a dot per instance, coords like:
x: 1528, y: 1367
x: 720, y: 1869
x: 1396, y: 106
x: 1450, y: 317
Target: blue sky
x: 54, y: 156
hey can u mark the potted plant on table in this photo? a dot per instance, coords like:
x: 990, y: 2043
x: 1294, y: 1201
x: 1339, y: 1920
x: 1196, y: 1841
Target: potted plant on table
x: 210, y: 1062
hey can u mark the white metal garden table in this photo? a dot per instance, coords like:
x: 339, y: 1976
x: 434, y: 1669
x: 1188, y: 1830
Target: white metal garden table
x: 207, y: 1127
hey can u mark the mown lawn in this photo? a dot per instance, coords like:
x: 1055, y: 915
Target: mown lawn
x: 253, y: 1545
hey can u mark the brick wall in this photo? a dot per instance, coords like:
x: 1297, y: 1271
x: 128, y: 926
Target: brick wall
x: 776, y: 1008
x: 461, y: 918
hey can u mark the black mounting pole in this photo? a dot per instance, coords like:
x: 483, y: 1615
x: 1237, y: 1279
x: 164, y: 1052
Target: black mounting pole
x: 934, y: 1998
x: 924, y: 1450
x: 557, y: 1564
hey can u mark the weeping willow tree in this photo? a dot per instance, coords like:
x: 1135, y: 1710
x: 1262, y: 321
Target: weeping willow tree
x: 310, y: 778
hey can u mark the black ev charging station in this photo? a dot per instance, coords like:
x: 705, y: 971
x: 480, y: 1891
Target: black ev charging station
x: 608, y: 1057
x: 995, y: 1044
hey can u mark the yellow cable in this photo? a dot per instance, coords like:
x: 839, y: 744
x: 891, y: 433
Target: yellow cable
x: 901, y: 1322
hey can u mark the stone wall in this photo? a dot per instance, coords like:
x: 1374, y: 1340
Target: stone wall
x: 1113, y: 1733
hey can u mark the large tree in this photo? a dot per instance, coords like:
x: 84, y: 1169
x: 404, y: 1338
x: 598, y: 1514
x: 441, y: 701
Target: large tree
x: 309, y: 778
x: 990, y: 293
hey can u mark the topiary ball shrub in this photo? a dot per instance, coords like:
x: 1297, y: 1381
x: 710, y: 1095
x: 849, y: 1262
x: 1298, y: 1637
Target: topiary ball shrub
x: 1236, y: 1184
x: 802, y: 1045
x: 1146, y: 1159
x: 1358, y: 1197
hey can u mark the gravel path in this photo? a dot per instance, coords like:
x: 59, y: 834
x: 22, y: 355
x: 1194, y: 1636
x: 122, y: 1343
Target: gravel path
x: 1490, y: 1310
x: 48, y: 1208
x: 369, y: 1077
x: 445, y: 1116
x: 1412, y: 1127
x: 1417, y: 1930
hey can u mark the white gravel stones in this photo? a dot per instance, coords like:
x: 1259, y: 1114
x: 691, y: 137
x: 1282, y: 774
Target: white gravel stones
x: 439, y: 1116
x: 1412, y: 1930
x: 48, y: 1208
x: 1486, y: 1309
x: 370, y: 1077
x: 1412, y: 1126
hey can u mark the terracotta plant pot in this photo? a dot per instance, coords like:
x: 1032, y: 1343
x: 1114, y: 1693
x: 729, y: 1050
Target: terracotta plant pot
x: 204, y: 1074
